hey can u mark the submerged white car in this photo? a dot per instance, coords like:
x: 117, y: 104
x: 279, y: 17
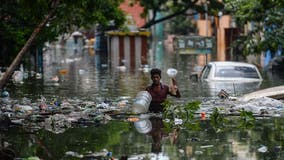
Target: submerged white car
x: 236, y: 78
x: 230, y: 71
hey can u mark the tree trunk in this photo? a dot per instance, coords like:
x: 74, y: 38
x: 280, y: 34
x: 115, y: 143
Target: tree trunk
x: 18, y: 58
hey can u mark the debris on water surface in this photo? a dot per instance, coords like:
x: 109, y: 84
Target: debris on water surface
x: 58, y: 114
x: 262, y: 149
x: 207, y: 146
x: 263, y: 105
x: 259, y: 106
x: 90, y: 155
x: 57, y: 123
x: 223, y: 94
x: 178, y: 121
x: 5, y: 94
x: 133, y: 119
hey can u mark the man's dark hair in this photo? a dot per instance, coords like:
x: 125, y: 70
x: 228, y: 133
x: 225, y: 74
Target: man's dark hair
x: 156, y: 71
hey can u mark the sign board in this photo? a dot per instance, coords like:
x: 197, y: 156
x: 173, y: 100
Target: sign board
x: 193, y: 45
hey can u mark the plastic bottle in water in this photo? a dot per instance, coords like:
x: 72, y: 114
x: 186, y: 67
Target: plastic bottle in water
x: 142, y: 102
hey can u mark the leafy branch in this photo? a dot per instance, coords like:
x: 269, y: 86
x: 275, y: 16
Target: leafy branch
x: 186, y: 114
x: 218, y: 120
x: 247, y: 119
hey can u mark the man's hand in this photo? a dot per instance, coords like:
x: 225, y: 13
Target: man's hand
x: 173, y: 89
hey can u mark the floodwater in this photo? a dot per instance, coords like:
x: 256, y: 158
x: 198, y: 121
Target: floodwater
x: 83, y: 78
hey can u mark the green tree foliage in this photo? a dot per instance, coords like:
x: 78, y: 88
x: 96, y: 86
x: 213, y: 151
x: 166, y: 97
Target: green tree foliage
x: 267, y: 19
x: 175, y: 8
x: 18, y: 19
x: 31, y: 23
x: 181, y: 25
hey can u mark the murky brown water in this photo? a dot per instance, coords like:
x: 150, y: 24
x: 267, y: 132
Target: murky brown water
x: 81, y: 78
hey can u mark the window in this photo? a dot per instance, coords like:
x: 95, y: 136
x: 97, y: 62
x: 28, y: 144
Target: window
x: 236, y: 71
x: 205, y: 71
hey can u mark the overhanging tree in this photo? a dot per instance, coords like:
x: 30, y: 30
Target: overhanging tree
x: 26, y: 23
x: 267, y: 19
x: 174, y: 8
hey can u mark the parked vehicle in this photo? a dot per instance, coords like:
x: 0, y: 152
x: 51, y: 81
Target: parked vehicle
x: 233, y: 77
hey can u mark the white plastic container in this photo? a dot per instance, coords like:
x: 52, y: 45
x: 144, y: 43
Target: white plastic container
x: 143, y: 126
x: 172, y: 72
x: 142, y: 102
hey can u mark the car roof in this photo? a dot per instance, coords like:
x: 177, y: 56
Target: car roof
x: 230, y: 63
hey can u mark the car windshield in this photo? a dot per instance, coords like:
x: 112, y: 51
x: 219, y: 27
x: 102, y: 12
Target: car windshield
x: 236, y: 71
x: 205, y: 71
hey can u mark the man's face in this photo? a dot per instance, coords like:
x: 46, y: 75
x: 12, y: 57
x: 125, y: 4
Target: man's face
x: 156, y: 79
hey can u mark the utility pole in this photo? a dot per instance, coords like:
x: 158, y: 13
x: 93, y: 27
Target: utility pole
x: 206, y: 27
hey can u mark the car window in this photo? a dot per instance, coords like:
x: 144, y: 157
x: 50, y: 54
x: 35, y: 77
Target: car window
x: 205, y: 71
x: 236, y: 71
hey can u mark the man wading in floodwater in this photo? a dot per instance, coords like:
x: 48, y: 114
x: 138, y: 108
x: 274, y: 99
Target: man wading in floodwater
x: 160, y: 91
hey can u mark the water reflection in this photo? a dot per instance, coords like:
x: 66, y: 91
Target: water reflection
x: 120, y: 139
x: 81, y: 78
x: 232, y: 88
x: 154, y: 127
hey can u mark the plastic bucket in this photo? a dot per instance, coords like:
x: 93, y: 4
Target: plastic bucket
x: 142, y: 102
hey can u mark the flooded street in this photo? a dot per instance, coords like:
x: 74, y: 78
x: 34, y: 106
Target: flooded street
x: 83, y: 80
x: 82, y: 75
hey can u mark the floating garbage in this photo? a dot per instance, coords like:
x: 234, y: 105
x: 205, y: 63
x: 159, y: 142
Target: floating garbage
x: 5, y: 94
x: 57, y: 123
x: 181, y: 151
x: 73, y: 154
x: 54, y: 79
x: 103, y: 105
x: 42, y: 106
x: 178, y: 121
x: 57, y: 115
x: 122, y: 103
x: 100, y: 155
x: 207, y: 146
x: 18, y: 77
x: 38, y: 75
x: 37, y: 118
x: 258, y: 106
x: 63, y: 71
x: 198, y: 152
x: 23, y: 108
x: 263, y: 105
x: 148, y: 156
x: 223, y: 94
x: 262, y: 149
x: 32, y: 158
x: 81, y: 71
x: 132, y: 119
